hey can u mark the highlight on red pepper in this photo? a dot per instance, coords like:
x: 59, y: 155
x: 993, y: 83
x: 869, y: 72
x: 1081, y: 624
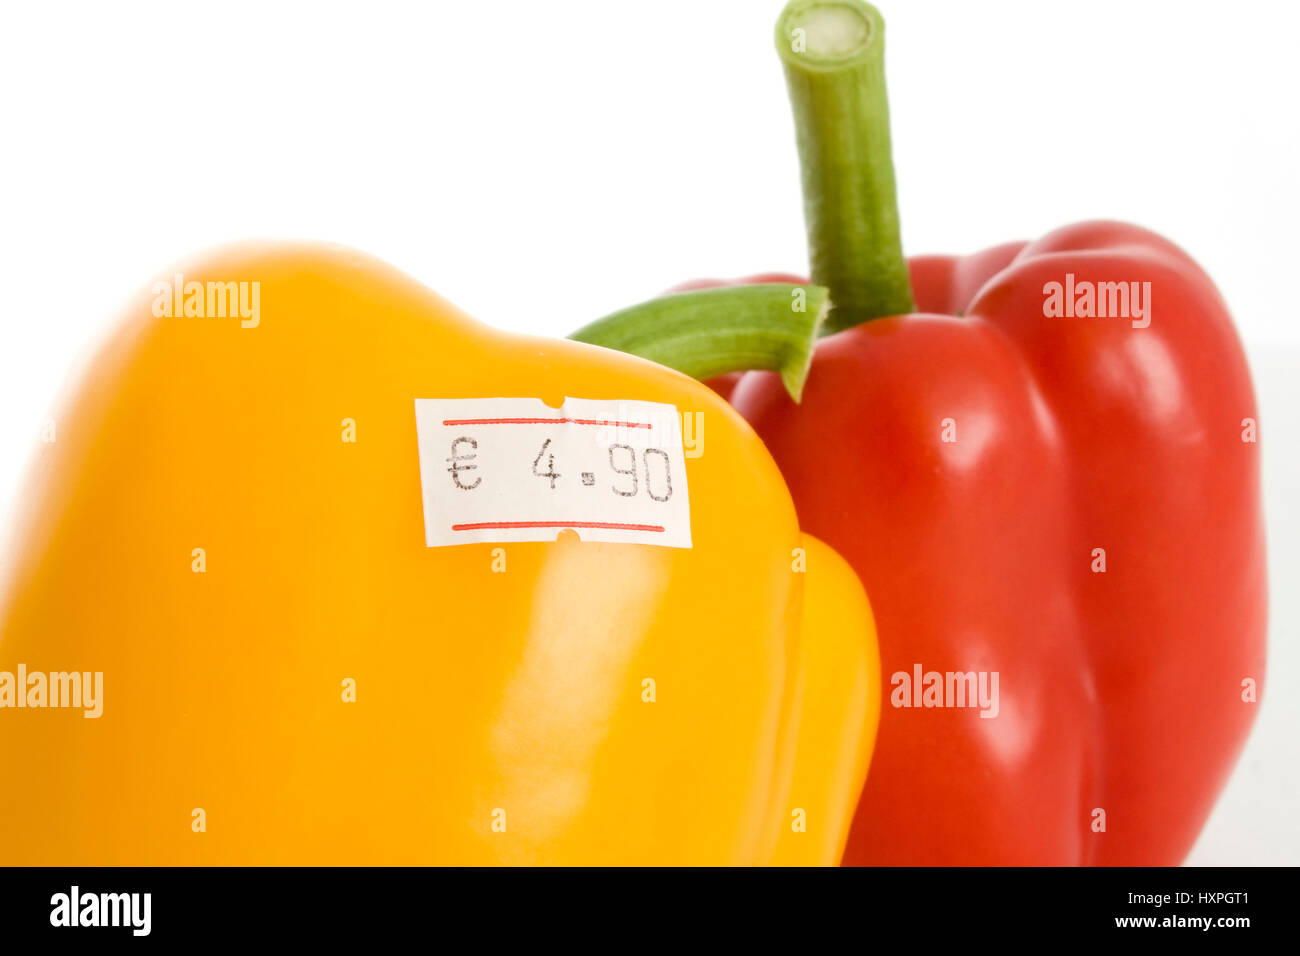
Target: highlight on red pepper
x: 1042, y: 461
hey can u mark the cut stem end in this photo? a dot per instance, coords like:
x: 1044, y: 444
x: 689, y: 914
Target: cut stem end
x: 833, y: 52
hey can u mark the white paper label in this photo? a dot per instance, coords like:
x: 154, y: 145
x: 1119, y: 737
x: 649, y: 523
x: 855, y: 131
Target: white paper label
x: 516, y: 469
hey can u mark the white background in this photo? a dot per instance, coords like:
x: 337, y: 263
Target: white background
x: 542, y: 163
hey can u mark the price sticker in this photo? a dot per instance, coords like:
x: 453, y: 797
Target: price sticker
x: 516, y: 469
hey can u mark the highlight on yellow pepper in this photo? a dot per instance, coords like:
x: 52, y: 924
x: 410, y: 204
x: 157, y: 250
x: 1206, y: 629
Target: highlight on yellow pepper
x: 234, y: 553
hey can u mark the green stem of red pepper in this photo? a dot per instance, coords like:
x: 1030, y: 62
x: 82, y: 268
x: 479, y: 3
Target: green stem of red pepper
x: 714, y: 331
x: 833, y: 52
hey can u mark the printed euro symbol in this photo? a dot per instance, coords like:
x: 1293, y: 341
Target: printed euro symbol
x: 457, y: 461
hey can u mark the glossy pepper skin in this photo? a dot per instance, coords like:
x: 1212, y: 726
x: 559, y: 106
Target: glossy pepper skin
x: 476, y: 691
x: 1121, y: 690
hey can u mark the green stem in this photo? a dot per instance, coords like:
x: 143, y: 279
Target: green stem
x: 833, y: 52
x: 714, y: 331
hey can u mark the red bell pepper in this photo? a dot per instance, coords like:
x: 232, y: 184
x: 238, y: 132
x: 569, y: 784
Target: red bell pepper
x: 1091, y: 531
x: 1042, y: 461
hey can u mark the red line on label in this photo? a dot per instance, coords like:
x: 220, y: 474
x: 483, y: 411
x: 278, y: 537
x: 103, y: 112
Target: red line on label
x: 611, y: 525
x: 541, y: 421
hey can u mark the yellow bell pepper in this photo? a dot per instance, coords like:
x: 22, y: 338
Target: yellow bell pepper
x: 227, y: 528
